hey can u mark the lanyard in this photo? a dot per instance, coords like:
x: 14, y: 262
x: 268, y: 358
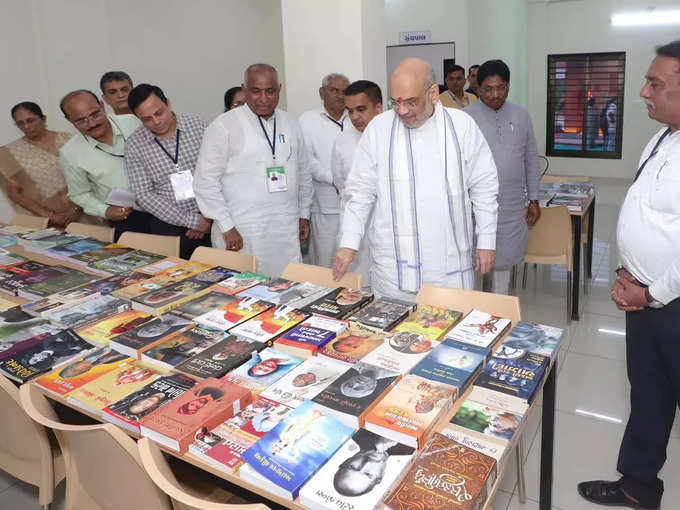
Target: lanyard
x: 114, y: 140
x: 652, y: 154
x: 272, y: 144
x: 175, y: 160
x: 339, y: 124
x: 459, y: 102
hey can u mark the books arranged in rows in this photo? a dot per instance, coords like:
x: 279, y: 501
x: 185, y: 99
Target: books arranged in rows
x: 174, y: 273
x: 384, y: 313
x: 312, y: 334
x: 222, y: 357
x: 265, y: 368
x: 354, y: 343
x: 146, y: 335
x: 178, y: 348
x: 340, y: 303
x: 573, y: 194
x: 400, y: 351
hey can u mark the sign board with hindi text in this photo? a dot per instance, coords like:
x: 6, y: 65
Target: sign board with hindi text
x: 438, y: 55
x: 414, y: 37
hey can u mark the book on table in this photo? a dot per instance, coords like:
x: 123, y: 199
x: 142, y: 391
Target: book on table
x: 339, y: 303
x: 517, y: 377
x: 265, y: 368
x: 68, y: 279
x: 531, y: 337
x: 479, y: 328
x: 205, y: 303
x: 67, y: 251
x: 269, y: 324
x: 175, y: 273
x: 88, y: 311
x: 137, y: 340
x: 271, y: 290
x: 220, y: 358
x: 430, y: 321
x: 98, y: 254
x: 117, y: 281
x: 400, y: 351
x: 44, y: 307
x: 312, y: 334
x: 179, y: 348
x: 384, y: 313
x: 358, y: 475
x: 213, y: 275
x: 354, y: 343
x: 303, y: 294
x: 99, y: 333
x: 126, y: 262
x: 233, y: 313
x: 240, y: 282
x: 295, y: 449
x: 15, y: 341
x: 169, y: 296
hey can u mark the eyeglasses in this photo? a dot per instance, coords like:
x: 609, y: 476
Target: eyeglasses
x: 84, y: 121
x: 27, y: 122
x: 410, y: 103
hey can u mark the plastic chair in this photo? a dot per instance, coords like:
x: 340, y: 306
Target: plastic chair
x: 551, y: 242
x: 25, y: 448
x: 463, y: 300
x: 162, y: 245
x: 26, y: 220
x: 320, y: 276
x: 157, y: 467
x: 103, y: 468
x: 98, y: 232
x: 225, y: 258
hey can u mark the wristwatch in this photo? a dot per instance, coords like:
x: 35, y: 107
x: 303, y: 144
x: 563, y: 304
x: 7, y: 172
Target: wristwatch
x: 651, y: 302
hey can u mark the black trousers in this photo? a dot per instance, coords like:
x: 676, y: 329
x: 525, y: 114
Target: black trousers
x: 653, y: 361
x: 138, y: 221
x: 186, y: 245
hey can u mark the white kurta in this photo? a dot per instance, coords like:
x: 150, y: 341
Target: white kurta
x: 231, y: 186
x: 320, y: 132
x: 368, y: 185
x: 342, y: 158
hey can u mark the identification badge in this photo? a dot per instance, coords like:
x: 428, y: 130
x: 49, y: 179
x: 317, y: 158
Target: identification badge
x: 276, y: 179
x: 183, y: 185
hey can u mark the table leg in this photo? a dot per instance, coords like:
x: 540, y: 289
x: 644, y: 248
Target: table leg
x: 576, y: 261
x: 589, y: 253
x: 547, y: 439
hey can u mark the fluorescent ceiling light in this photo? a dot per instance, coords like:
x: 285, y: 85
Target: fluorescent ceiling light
x: 598, y: 416
x: 641, y: 18
x: 612, y: 331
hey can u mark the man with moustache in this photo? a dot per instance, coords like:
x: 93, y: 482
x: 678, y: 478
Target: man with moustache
x: 93, y: 163
x: 160, y: 159
x: 473, y: 84
x: 321, y: 127
x: 647, y: 288
x: 363, y: 100
x: 115, y: 87
x: 253, y: 178
x: 426, y: 169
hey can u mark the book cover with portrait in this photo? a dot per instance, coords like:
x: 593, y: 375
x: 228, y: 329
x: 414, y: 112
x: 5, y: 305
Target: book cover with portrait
x: 170, y: 296
x: 127, y: 411
x: 352, y: 395
x: 137, y: 340
x: 305, y: 381
x: 269, y: 290
x: 354, y: 343
x: 312, y: 334
x: 296, y: 448
x: 384, y: 313
x: 233, y: 313
x: 358, y: 475
x: 267, y: 367
x: 88, y: 311
x: 340, y: 303
x: 203, y: 304
x: 99, y: 333
x: 410, y: 410
x: 207, y: 404
x: 175, y: 273
x: 178, y: 348
x: 401, y: 351
x: 267, y: 325
x: 240, y: 282
x: 220, y: 358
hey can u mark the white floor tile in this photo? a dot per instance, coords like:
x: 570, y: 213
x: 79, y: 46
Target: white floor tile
x: 594, y: 387
x: 514, y: 504
x: 20, y: 497
x: 6, y: 480
x: 600, y: 335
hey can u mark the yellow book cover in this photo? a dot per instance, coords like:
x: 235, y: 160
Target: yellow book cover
x: 71, y: 376
x: 114, y: 386
x: 101, y: 332
x: 171, y: 275
x: 430, y: 321
x: 6, y: 305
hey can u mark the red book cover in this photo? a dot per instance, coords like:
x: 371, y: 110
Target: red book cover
x: 206, y: 405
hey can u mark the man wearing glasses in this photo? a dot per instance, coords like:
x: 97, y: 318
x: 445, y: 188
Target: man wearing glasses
x: 93, y: 164
x: 426, y: 169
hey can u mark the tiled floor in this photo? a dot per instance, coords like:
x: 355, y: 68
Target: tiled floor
x: 592, y: 390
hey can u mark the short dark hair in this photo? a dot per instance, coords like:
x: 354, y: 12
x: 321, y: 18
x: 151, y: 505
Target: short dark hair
x: 28, y: 105
x: 72, y: 94
x: 114, y: 76
x: 473, y: 66
x: 454, y: 68
x: 229, y: 97
x: 141, y: 93
x: 493, y: 68
x: 369, y: 88
x: 672, y: 49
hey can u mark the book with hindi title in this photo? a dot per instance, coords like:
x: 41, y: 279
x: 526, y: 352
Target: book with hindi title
x: 400, y: 351
x: 312, y: 334
x: 220, y: 358
x: 271, y: 323
x: 354, y: 343
x: 179, y: 348
x: 170, y: 296
x: 88, y: 311
x: 265, y: 368
x: 175, y: 273
x: 430, y: 321
x: 270, y: 290
x: 339, y: 303
x: 99, y: 333
x: 148, y: 334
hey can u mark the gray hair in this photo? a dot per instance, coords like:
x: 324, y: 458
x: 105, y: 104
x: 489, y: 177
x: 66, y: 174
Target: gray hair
x: 260, y: 67
x: 333, y: 76
x: 430, y: 78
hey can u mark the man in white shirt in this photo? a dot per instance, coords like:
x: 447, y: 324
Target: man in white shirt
x: 252, y: 177
x: 426, y: 169
x: 647, y: 289
x: 320, y: 127
x: 363, y: 100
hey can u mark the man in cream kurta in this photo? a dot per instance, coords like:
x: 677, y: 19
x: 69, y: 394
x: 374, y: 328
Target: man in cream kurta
x: 426, y: 169
x: 320, y: 128
x: 252, y: 177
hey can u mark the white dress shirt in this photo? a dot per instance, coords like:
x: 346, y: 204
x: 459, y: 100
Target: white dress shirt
x: 648, y: 231
x: 320, y: 131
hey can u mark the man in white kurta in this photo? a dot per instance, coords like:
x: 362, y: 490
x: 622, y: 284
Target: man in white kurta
x: 320, y: 128
x: 252, y: 177
x: 426, y: 169
x: 363, y: 100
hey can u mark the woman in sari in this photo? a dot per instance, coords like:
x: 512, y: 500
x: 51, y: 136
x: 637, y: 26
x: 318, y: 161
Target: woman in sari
x: 29, y: 168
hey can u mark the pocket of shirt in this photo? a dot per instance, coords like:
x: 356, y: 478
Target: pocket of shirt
x: 665, y: 195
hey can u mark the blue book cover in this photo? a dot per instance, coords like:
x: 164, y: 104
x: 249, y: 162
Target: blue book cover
x: 270, y: 290
x: 518, y: 377
x: 76, y: 248
x: 454, y: 363
x: 267, y: 366
x: 531, y: 337
x: 297, y: 447
x: 313, y: 333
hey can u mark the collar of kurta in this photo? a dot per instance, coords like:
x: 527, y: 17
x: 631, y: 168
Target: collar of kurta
x: 256, y: 116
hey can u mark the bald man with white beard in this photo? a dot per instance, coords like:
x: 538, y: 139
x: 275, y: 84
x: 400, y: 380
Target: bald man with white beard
x: 426, y: 169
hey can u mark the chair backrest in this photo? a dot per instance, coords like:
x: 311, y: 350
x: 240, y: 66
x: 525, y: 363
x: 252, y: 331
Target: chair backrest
x: 463, y: 300
x: 103, y: 468
x: 162, y: 245
x: 161, y: 474
x: 98, y: 232
x: 551, y: 238
x: 24, y: 446
x: 320, y: 276
x: 26, y: 220
x: 225, y: 258
x: 564, y: 178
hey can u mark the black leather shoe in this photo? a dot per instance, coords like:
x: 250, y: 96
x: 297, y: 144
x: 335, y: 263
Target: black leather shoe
x: 606, y: 493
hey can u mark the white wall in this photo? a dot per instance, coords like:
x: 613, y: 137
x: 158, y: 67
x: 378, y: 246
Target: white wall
x: 582, y: 27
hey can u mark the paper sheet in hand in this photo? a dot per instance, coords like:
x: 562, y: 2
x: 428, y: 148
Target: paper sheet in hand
x: 123, y: 198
